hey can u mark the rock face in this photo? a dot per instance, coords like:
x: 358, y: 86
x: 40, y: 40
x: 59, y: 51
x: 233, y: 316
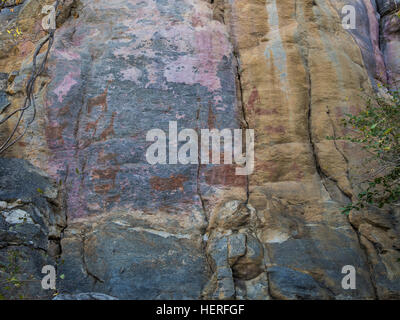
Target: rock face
x: 84, y: 296
x: 31, y: 222
x: 390, y: 38
x: 118, y: 69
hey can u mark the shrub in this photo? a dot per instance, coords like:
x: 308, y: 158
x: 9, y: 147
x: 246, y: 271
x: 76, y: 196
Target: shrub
x: 377, y: 130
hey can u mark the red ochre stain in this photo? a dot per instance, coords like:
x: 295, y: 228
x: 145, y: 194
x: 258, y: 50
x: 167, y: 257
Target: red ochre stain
x: 109, y: 130
x: 225, y: 175
x: 166, y: 184
x: 277, y: 129
x: 254, y: 97
x: 22, y: 144
x: 100, y: 100
x: 104, y: 158
x: 112, y: 199
x: 265, y: 112
x: 64, y: 110
x: 269, y: 168
x: 211, y: 117
x: 54, y: 134
x: 103, y: 188
x: 92, y: 126
x: 196, y: 22
x: 108, y: 173
x: 299, y: 175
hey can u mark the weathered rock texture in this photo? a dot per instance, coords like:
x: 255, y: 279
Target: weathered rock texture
x: 84, y: 296
x: 31, y: 223
x: 287, y: 69
x: 390, y: 38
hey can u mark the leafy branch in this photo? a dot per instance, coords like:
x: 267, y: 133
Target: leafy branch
x: 376, y: 129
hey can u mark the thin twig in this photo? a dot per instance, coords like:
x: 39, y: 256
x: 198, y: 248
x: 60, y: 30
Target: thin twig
x: 29, y: 89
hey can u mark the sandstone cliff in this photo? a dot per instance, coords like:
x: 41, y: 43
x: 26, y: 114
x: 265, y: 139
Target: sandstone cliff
x: 117, y: 69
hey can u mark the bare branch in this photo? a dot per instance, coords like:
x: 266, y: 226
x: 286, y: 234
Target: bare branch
x: 29, y: 101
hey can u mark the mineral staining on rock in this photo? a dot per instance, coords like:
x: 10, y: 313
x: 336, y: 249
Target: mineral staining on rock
x: 390, y: 41
x: 113, y: 82
x: 286, y: 69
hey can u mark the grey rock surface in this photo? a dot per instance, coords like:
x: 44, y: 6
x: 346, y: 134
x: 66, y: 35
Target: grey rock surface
x: 31, y: 222
x: 84, y: 296
x: 128, y: 262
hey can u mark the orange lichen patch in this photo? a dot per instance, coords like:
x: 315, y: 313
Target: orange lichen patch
x: 171, y: 183
x: 225, y: 175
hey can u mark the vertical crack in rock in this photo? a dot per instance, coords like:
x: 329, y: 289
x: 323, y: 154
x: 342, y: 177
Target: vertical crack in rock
x: 64, y: 209
x: 367, y: 259
x: 84, y: 263
x: 224, y: 15
x: 204, y: 240
x: 319, y: 170
x: 243, y: 121
x: 220, y: 15
x: 240, y: 223
x: 31, y: 227
x: 218, y: 8
x: 237, y: 249
x: 321, y: 174
x: 206, y: 215
x: 328, y: 112
x: 58, y: 206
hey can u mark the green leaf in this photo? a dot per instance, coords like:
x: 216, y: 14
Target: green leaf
x: 387, y: 131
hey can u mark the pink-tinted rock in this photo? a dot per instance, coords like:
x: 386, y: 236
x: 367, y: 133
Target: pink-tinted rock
x: 286, y: 69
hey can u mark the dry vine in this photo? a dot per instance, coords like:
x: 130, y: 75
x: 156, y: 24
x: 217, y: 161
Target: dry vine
x: 29, y: 101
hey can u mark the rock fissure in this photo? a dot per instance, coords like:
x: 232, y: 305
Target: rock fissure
x: 272, y: 66
x: 84, y: 263
x: 369, y: 263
